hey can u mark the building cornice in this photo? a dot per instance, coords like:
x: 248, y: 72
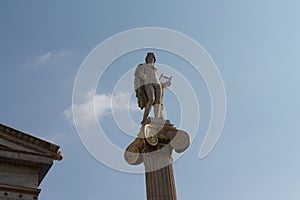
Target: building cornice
x: 28, y: 141
x: 23, y: 190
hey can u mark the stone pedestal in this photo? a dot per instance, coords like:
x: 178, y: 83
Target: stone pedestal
x: 154, y: 146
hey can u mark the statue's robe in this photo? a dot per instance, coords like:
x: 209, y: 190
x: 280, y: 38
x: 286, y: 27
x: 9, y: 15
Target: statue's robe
x: 139, y: 87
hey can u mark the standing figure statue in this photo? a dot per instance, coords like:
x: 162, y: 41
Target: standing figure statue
x: 155, y: 133
x: 148, y: 87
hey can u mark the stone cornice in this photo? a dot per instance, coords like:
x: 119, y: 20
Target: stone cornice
x: 28, y: 141
x: 20, y: 162
x: 23, y: 156
x: 22, y: 190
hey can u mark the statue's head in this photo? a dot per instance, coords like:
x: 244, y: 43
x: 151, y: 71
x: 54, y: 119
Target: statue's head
x: 150, y: 58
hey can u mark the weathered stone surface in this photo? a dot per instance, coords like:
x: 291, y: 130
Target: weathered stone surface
x: 24, y: 162
x: 18, y: 193
x: 18, y: 175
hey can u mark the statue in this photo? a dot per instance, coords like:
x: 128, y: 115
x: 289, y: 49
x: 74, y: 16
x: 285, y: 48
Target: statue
x: 148, y: 87
x: 155, y: 133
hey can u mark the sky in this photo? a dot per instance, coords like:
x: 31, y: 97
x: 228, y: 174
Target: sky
x: 255, y: 45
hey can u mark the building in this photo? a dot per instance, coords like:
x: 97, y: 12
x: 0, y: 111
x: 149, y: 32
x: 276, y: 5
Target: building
x: 24, y: 162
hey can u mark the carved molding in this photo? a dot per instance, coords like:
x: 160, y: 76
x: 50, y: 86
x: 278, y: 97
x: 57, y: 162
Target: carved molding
x: 28, y: 141
x: 159, y: 136
x: 23, y: 190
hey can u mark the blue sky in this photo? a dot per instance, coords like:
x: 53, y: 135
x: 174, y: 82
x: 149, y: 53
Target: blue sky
x: 255, y: 45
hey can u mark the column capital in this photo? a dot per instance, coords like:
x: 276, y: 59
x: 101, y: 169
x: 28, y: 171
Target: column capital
x: 156, y: 137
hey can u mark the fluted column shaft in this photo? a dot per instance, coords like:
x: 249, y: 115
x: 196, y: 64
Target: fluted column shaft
x: 160, y: 183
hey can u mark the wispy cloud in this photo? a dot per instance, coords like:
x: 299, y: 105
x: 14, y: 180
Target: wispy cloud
x: 43, y: 58
x: 100, y: 106
x: 49, y: 58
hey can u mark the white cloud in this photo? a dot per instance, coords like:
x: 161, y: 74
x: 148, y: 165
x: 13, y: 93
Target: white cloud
x: 50, y: 58
x: 100, y: 106
x: 43, y: 58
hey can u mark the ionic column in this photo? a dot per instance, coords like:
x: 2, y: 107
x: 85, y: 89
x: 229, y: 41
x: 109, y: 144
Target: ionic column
x: 153, y: 147
x: 160, y: 183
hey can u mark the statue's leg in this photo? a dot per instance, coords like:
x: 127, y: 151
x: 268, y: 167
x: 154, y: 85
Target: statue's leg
x: 157, y: 103
x: 150, y: 94
x: 162, y: 112
x: 147, y: 110
x: 157, y: 110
